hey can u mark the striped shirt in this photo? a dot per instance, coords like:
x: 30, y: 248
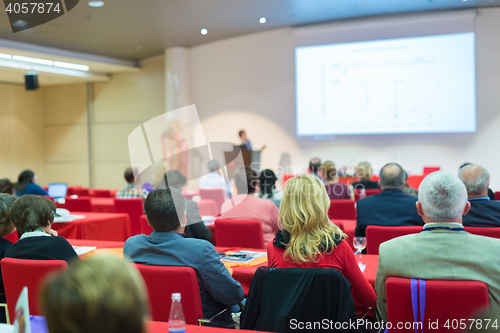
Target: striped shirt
x: 131, y: 191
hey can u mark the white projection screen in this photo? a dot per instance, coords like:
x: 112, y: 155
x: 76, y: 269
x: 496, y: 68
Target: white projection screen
x: 422, y: 84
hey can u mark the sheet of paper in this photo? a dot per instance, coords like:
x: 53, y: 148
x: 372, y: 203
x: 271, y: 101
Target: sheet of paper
x: 22, y: 315
x: 69, y: 218
x: 83, y: 249
x: 253, y: 255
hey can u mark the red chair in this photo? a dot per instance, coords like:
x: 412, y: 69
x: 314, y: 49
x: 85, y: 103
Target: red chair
x: 19, y: 273
x: 497, y: 195
x: 376, y: 235
x: 239, y: 233
x: 216, y: 194
x: 82, y: 192
x: 360, y: 193
x: 286, y: 177
x: 145, y: 227
x: 208, y: 208
x: 482, y: 231
x: 98, y: 193
x: 428, y: 170
x: 415, y: 180
x: 445, y: 301
x: 189, y: 194
x: 338, y: 223
x: 162, y: 281
x: 134, y: 208
x: 82, y: 204
x: 343, y: 209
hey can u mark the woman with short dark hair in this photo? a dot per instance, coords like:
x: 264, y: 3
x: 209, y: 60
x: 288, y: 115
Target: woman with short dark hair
x: 26, y: 184
x: 267, y: 183
x: 32, y: 216
x: 7, y: 187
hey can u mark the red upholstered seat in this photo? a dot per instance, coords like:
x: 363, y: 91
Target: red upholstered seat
x: 286, y: 177
x: 134, y: 208
x: 338, y: 223
x: 81, y: 192
x: 428, y: 170
x: 497, y: 195
x: 343, y: 209
x: 162, y: 281
x: 445, y: 300
x: 376, y: 235
x: 81, y: 204
x: 415, y: 180
x: 216, y: 194
x: 481, y: 231
x: 361, y: 193
x: 239, y: 233
x: 145, y: 227
x: 99, y: 193
x: 18, y: 273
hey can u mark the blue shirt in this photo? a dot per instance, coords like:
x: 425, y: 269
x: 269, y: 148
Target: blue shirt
x: 480, y: 198
x: 218, y: 289
x: 32, y: 189
x: 247, y: 143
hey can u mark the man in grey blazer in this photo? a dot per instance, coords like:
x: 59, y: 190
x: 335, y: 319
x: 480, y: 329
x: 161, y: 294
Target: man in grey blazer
x: 167, y: 246
x: 443, y: 250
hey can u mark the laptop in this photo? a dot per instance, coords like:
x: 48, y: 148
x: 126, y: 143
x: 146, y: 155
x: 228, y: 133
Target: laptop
x: 58, y: 190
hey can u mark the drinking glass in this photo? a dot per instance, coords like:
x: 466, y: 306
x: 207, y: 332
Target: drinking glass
x: 360, y: 244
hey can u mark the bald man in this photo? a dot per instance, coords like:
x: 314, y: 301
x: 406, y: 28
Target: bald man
x: 391, y: 208
x: 484, y: 212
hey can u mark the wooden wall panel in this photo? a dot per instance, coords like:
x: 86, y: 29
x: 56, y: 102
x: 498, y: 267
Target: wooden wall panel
x: 73, y: 173
x: 65, y: 104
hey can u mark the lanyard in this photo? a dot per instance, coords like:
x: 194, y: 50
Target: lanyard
x: 448, y: 228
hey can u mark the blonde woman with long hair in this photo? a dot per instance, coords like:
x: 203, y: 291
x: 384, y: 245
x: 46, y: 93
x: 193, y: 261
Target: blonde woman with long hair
x: 308, y: 238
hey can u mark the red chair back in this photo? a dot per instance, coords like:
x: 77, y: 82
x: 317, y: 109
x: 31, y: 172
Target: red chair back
x: 82, y: 204
x: 162, y: 281
x: 415, y: 180
x: 488, y: 232
x: 497, y: 195
x: 376, y: 235
x: 81, y: 192
x: 145, y: 227
x: 286, y: 177
x: 134, y: 208
x: 216, y: 194
x: 239, y: 233
x: 428, y: 170
x: 343, y: 209
x: 98, y: 193
x: 19, y: 273
x: 360, y: 193
x: 445, y: 300
x: 13, y: 237
x: 189, y: 194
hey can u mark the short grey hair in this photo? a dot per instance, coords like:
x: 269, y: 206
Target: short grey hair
x: 476, y: 178
x: 392, y: 180
x: 213, y: 166
x: 442, y: 196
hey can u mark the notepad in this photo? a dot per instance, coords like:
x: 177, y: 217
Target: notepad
x: 243, y: 257
x: 83, y: 249
x: 68, y: 218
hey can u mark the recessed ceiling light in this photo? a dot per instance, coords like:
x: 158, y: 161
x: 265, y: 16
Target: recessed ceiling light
x: 5, y: 56
x: 96, y: 3
x: 70, y: 65
x: 19, y: 23
x: 34, y: 60
x: 204, y: 31
x: 262, y: 20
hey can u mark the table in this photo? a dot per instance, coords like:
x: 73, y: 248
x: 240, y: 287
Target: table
x: 96, y: 226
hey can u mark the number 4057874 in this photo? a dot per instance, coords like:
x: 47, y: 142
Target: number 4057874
x: 33, y: 8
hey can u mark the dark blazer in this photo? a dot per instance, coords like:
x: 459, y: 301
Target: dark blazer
x: 366, y: 184
x: 195, y: 227
x: 390, y: 208
x: 483, y: 213
x: 42, y: 248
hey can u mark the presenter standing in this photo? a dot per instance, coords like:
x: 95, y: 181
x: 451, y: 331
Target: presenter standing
x: 246, y: 142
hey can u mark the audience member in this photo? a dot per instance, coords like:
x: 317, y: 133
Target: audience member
x: 101, y: 294
x: 267, y: 182
x: 308, y: 239
x: 131, y: 190
x: 26, y: 184
x: 315, y: 167
x: 483, y: 212
x: 389, y: 208
x: 167, y: 246
x: 334, y: 189
x: 215, y: 180
x: 249, y: 207
x: 7, y: 187
x: 364, y: 173
x: 491, y: 194
x: 195, y: 227
x: 443, y: 250
x: 32, y: 216
x: 408, y: 190
x: 6, y: 228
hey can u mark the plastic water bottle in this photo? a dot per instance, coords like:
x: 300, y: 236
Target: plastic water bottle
x: 176, y: 320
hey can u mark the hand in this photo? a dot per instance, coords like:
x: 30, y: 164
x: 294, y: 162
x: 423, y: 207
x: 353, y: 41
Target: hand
x: 263, y: 147
x: 53, y: 232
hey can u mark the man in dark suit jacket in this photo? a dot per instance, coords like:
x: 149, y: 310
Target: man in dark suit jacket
x: 390, y: 208
x: 483, y: 212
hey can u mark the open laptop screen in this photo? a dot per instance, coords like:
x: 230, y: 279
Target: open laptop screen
x: 58, y: 190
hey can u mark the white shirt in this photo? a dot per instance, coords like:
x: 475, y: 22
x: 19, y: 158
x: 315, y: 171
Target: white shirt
x: 215, y: 180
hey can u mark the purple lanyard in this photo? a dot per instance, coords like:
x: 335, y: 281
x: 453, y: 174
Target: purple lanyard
x: 418, y: 289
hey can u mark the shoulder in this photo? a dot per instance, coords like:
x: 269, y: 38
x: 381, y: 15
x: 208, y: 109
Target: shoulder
x: 394, y: 245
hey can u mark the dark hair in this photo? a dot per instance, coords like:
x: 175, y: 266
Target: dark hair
x: 392, y: 180
x: 247, y: 181
x: 267, y: 180
x: 6, y: 226
x: 240, y: 133
x: 176, y: 179
x: 464, y: 165
x: 31, y: 212
x: 165, y: 208
x: 314, y: 165
x: 129, y: 175
x: 6, y: 186
x: 23, y: 180
x: 213, y: 166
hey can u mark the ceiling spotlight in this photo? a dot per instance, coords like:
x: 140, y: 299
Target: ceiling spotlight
x: 204, y: 31
x: 262, y: 20
x: 96, y: 3
x: 19, y: 23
